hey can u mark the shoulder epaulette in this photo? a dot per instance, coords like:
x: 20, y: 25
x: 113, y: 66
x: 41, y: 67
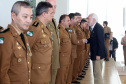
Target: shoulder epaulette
x: 35, y: 24
x: 4, y: 30
x: 1, y: 27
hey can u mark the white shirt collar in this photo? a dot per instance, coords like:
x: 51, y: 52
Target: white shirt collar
x: 93, y: 26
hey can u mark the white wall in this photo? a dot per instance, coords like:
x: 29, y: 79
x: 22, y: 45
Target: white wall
x: 5, y: 9
x: 62, y: 8
x: 5, y: 15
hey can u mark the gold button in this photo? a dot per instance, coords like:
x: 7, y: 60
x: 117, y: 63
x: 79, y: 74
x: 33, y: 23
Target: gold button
x: 27, y: 53
x: 29, y: 80
x: 29, y: 71
x: 28, y: 62
x: 39, y: 67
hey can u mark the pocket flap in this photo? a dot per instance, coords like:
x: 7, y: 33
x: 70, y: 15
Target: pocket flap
x: 38, y: 66
x: 19, y: 54
x: 45, y: 41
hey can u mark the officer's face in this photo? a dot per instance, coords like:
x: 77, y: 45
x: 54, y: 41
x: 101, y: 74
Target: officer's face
x: 90, y: 20
x: 79, y: 19
x: 67, y: 22
x: 23, y: 19
x: 75, y: 19
x: 104, y: 24
x: 49, y: 15
x: 53, y: 3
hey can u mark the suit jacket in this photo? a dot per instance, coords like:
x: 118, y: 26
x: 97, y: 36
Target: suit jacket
x: 115, y: 43
x: 97, y: 43
x: 56, y: 43
x: 65, y: 46
x: 15, y: 58
x: 40, y: 41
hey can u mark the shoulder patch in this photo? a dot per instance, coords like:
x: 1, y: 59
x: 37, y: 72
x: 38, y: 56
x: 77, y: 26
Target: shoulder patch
x: 5, y: 30
x: 35, y: 24
x: 1, y: 27
x: 1, y: 40
x: 70, y: 30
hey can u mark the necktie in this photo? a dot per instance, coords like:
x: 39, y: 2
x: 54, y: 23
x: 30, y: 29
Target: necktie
x: 22, y: 38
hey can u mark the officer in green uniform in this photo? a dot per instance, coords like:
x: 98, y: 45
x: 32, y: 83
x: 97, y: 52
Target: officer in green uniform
x: 52, y: 26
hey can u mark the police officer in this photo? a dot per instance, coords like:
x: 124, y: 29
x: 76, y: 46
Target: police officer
x: 40, y: 41
x: 65, y: 49
x: 52, y: 26
x: 107, y: 32
x: 78, y: 63
x: 123, y: 42
x: 75, y: 42
x: 15, y: 54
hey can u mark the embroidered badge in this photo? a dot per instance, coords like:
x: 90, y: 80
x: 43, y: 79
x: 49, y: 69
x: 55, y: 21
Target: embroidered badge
x: 1, y: 40
x: 70, y: 30
x: 30, y: 33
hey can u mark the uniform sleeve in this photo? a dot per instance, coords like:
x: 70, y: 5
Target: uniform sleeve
x: 74, y: 39
x: 5, y: 60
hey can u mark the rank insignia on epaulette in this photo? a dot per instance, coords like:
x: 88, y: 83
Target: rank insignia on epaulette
x: 19, y: 47
x: 35, y: 24
x: 44, y: 35
x: 29, y: 33
x: 1, y: 40
x: 5, y: 30
x: 70, y: 30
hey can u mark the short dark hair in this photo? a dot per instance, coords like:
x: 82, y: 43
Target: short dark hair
x: 77, y: 14
x: 105, y: 22
x: 42, y: 7
x: 83, y: 21
x: 62, y: 17
x: 71, y: 15
x: 17, y: 6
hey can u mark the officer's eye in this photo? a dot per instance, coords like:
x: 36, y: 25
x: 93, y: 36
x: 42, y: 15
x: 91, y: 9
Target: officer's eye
x: 25, y: 16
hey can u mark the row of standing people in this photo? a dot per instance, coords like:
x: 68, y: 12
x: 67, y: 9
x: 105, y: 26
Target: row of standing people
x: 37, y: 52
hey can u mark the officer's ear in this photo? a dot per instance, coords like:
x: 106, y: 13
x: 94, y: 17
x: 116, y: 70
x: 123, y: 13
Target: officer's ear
x: 13, y: 15
x: 44, y: 14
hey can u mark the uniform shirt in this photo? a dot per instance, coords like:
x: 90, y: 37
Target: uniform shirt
x: 40, y: 41
x: 80, y: 36
x: 55, y: 43
x: 15, y: 58
x: 65, y: 46
x: 123, y: 40
x: 74, y: 41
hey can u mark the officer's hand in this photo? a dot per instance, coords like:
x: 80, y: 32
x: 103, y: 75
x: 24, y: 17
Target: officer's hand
x: 98, y: 58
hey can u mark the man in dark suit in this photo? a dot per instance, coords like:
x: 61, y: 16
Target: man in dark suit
x: 97, y: 46
x: 113, y: 46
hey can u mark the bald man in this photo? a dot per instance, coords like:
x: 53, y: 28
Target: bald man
x: 52, y: 26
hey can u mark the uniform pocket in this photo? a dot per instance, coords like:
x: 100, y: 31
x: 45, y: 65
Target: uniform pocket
x: 43, y: 45
x: 38, y: 66
x: 64, y: 58
x: 19, y: 57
